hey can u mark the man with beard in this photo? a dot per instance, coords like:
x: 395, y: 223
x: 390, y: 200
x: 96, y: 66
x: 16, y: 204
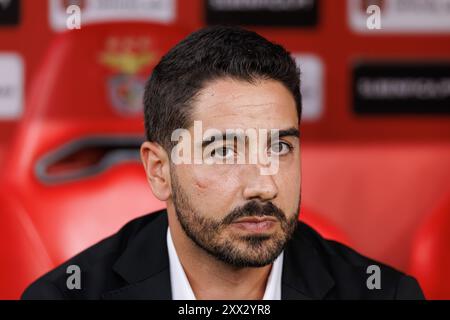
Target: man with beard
x: 230, y: 230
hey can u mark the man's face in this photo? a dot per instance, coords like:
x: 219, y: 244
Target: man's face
x: 232, y: 211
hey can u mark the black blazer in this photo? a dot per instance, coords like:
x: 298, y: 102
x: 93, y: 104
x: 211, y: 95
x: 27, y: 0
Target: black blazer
x: 134, y: 264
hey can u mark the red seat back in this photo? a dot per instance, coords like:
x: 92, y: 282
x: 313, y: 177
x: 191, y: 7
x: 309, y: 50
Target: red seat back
x: 72, y: 176
x: 430, y: 258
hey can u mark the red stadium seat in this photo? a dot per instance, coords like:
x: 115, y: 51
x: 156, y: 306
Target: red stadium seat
x: 376, y: 192
x: 71, y: 177
x: 43, y: 226
x: 430, y: 259
x: 324, y: 226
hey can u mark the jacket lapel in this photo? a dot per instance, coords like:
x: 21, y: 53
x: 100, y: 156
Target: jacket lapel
x: 144, y: 265
x: 304, y: 273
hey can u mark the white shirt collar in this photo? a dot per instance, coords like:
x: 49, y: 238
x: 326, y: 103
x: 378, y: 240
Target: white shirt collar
x: 181, y: 289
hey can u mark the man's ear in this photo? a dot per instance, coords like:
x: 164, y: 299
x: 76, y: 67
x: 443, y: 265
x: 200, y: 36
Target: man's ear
x: 157, y: 168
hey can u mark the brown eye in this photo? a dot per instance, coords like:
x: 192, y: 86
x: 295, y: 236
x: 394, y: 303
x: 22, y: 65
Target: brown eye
x: 222, y: 152
x: 280, y: 148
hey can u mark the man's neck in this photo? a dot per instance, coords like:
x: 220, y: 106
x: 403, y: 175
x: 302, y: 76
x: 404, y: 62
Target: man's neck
x: 210, y: 278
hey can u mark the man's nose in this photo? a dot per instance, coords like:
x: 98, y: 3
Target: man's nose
x: 260, y: 186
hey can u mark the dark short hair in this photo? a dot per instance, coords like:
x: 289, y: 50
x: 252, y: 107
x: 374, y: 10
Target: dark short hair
x: 206, y: 55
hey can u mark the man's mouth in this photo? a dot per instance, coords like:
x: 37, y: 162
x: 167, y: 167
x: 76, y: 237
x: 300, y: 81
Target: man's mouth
x: 255, y: 224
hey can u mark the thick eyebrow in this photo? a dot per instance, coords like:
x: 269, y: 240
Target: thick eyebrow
x: 290, y: 132
x: 225, y: 137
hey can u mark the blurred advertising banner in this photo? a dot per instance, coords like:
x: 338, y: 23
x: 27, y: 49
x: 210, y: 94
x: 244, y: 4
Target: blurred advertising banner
x: 95, y: 11
x: 301, y: 13
x: 9, y: 12
x: 312, y: 85
x: 401, y: 87
x: 11, y: 85
x: 402, y: 16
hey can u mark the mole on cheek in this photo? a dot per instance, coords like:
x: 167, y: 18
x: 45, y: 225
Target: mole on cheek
x: 200, y: 184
